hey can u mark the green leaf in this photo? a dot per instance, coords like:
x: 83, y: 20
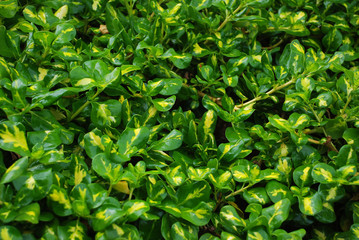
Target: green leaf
x: 346, y: 156
x: 107, y: 169
x: 69, y: 54
x: 256, y: 195
x: 198, y: 174
x: 8, y: 8
x: 132, y: 139
x: 175, y: 175
x: 336, y: 127
x: 170, y: 207
x: 65, y: 32
x: 351, y: 135
x: 181, y: 61
x: 257, y: 233
x: 105, y: 215
x: 278, y: 191
x: 135, y: 208
x: 164, y: 105
x: 277, y: 213
x: 311, y: 205
x: 354, y: 231
x: 332, y: 40
x: 129, y: 68
x: 12, y: 138
x: 323, y: 173
x: 324, y: 100
x: 36, y: 186
x: 93, y: 143
x: 171, y: 86
x: 10, y: 232
x: 229, y: 217
x: 170, y: 142
x: 241, y: 173
x: 15, y: 170
x: 280, y: 123
x: 331, y: 192
x: 49, y: 139
x: 199, y: 215
x: 29, y: 213
x: 190, y: 194
x: 293, y: 57
x: 229, y: 151
x: 299, y: 121
x: 9, y: 43
x: 59, y: 201
x: 221, y: 179
x: 31, y: 15
x: 327, y: 215
x: 44, y: 38
x: 302, y: 176
x: 114, y: 24
x: 73, y: 229
x: 305, y: 84
x: 106, y: 113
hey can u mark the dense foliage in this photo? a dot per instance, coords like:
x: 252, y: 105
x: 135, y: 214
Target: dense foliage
x: 179, y: 119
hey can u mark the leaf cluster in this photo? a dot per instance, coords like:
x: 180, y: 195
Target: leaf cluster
x: 179, y: 119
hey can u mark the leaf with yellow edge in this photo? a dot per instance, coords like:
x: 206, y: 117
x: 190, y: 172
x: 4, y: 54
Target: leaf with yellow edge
x: 12, y: 138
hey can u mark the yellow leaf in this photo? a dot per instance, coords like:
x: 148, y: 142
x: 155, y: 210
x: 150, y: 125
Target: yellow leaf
x: 122, y: 186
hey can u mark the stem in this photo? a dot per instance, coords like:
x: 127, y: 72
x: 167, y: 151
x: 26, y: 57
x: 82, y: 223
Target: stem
x: 314, y: 141
x: 84, y: 105
x: 229, y: 18
x: 128, y: 7
x: 347, y: 103
x: 275, y: 45
x: 330, y: 143
x: 238, y: 191
x: 261, y: 97
x: 130, y: 195
x: 109, y: 190
x: 216, y: 100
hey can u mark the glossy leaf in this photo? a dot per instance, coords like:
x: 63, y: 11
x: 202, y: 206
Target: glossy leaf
x: 12, y: 138
x: 15, y: 170
x: 170, y: 142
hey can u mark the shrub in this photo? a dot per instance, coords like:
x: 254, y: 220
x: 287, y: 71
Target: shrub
x: 179, y: 119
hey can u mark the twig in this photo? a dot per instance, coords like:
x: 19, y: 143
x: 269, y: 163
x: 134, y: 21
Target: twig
x: 330, y: 143
x: 238, y: 191
x: 84, y: 105
x: 275, y: 45
x: 216, y: 100
x: 229, y: 18
x: 261, y: 97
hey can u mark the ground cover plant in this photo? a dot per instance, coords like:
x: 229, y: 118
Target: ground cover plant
x: 179, y: 119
